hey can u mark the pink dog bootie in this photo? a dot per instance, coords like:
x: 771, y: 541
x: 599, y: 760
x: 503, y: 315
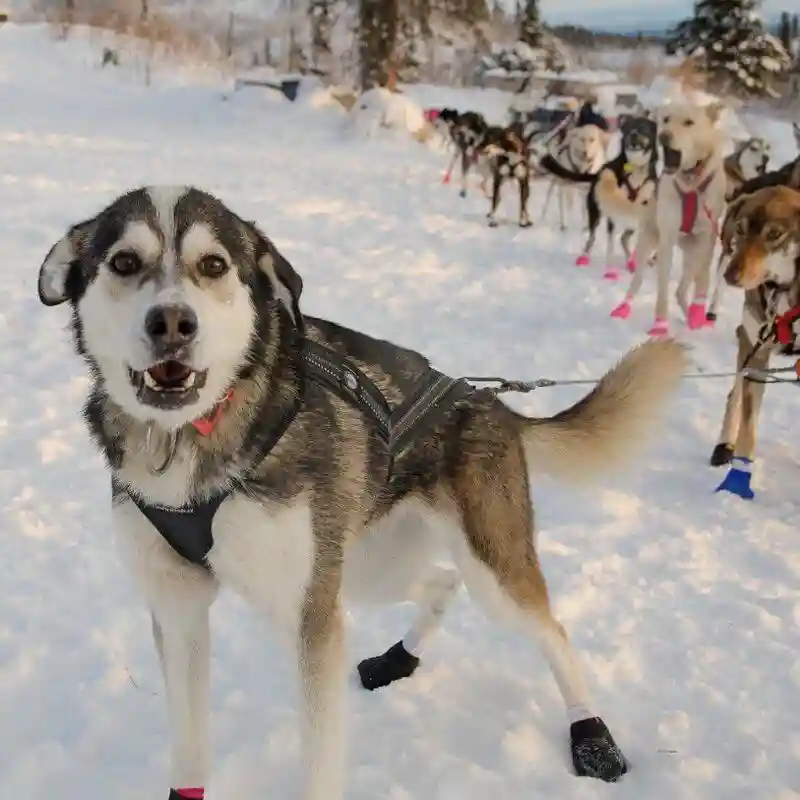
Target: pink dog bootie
x: 582, y: 260
x: 622, y: 311
x: 611, y: 274
x: 697, y: 316
x: 631, y: 263
x: 660, y: 327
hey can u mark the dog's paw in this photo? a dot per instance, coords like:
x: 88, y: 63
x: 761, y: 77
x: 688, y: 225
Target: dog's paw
x: 711, y: 316
x: 393, y: 665
x: 737, y: 481
x: 723, y: 454
x: 462, y: 193
x: 594, y: 752
x: 186, y: 794
x: 525, y: 223
x: 492, y: 222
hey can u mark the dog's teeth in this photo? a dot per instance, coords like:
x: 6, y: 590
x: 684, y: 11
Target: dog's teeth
x: 149, y: 381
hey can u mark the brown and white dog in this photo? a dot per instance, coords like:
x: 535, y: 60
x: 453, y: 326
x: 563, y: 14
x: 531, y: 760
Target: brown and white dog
x: 761, y: 240
x: 690, y: 200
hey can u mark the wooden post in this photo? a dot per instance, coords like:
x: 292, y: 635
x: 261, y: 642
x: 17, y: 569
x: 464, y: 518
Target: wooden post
x: 229, y: 38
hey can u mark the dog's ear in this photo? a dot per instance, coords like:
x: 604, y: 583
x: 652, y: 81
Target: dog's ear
x: 714, y: 111
x: 287, y: 285
x: 63, y: 256
x: 729, y: 222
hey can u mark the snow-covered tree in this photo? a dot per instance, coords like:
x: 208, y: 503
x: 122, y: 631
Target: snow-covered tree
x: 530, y: 24
x: 728, y: 40
x: 320, y: 18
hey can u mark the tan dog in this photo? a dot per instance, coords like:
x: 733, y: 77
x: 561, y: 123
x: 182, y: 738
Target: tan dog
x: 582, y: 151
x: 762, y: 236
x: 690, y: 201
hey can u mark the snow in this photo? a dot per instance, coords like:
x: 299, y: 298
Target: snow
x: 683, y: 604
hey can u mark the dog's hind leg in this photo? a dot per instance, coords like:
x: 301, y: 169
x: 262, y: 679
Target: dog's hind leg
x: 432, y: 595
x: 397, y: 562
x: 524, y: 194
x: 446, y: 178
x: 493, y: 548
x: 562, y: 207
x: 611, y: 273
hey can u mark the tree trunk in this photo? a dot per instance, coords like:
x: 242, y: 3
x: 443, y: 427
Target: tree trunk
x: 377, y: 34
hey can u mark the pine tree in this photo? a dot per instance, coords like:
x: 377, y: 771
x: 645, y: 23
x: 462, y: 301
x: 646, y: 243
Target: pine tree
x: 728, y: 40
x: 785, y: 31
x: 796, y: 26
x: 530, y: 25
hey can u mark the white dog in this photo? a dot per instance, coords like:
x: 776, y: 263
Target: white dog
x: 690, y: 201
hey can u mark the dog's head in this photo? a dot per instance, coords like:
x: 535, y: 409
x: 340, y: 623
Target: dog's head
x: 753, y: 156
x: 587, y: 143
x: 688, y: 135
x: 449, y: 116
x: 172, y: 296
x: 639, y: 135
x: 761, y: 236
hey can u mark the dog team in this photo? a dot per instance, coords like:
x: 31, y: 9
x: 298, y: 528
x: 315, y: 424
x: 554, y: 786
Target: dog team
x: 307, y: 466
x: 649, y: 214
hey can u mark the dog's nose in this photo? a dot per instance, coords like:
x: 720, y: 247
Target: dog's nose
x: 171, y: 326
x: 665, y: 138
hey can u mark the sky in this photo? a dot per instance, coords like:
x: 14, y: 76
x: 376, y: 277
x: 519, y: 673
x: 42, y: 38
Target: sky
x: 614, y: 14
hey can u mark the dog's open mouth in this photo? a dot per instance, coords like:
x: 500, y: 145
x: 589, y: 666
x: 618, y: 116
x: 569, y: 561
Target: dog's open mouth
x: 168, y: 384
x: 672, y: 160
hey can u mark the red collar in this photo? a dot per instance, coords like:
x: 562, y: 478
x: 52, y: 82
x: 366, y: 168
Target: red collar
x: 205, y: 425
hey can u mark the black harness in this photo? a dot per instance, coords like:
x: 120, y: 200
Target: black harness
x: 188, y: 530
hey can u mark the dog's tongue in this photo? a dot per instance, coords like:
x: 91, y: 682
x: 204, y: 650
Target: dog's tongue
x: 170, y: 373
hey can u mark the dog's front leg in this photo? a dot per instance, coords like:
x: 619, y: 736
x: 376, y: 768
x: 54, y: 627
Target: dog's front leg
x: 666, y: 246
x: 497, y: 182
x: 723, y: 450
x: 737, y: 481
x: 322, y: 674
x: 181, y: 634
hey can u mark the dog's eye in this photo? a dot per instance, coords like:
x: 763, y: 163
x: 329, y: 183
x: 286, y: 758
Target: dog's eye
x: 666, y: 120
x: 773, y: 234
x: 125, y: 263
x: 212, y: 266
x: 687, y: 123
x: 741, y: 227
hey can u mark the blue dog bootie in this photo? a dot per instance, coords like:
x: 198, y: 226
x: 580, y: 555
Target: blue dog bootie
x: 737, y: 481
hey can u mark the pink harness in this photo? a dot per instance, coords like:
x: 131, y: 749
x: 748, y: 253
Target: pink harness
x: 690, y: 205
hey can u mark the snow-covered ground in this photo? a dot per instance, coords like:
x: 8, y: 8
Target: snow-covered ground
x: 684, y: 604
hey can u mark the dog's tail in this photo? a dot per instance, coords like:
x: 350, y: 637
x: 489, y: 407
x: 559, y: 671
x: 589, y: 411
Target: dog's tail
x: 608, y: 426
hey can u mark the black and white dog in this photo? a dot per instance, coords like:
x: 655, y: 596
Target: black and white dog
x: 467, y: 131
x: 622, y: 188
